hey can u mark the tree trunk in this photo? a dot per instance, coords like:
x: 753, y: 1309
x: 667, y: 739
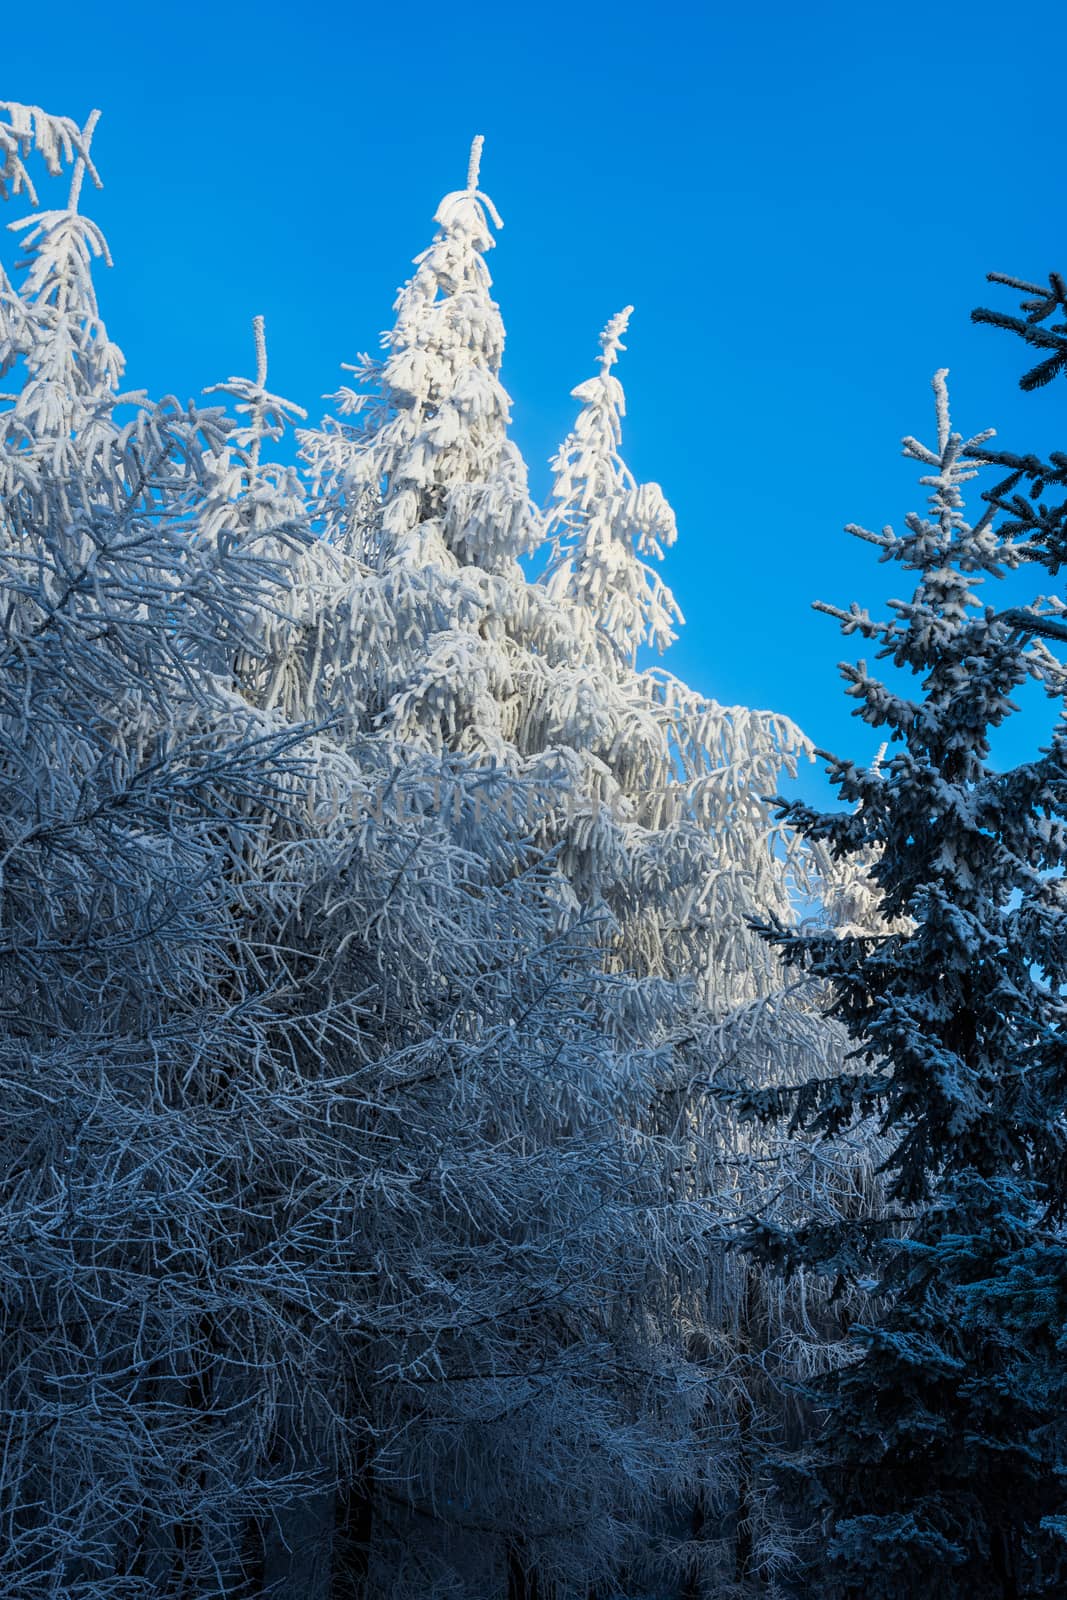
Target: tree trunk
x: 522, y: 1583
x: 743, y: 1526
x: 353, y: 1522
x: 1002, y: 1560
x: 692, y: 1588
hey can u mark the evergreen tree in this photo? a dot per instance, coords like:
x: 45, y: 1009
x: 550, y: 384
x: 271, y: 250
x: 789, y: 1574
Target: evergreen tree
x: 394, y: 636
x: 138, y: 1030
x: 427, y: 630
x: 420, y: 636
x: 604, y: 521
x: 939, y: 1463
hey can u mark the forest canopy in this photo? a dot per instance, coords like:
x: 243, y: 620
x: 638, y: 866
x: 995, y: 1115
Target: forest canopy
x: 463, y: 1134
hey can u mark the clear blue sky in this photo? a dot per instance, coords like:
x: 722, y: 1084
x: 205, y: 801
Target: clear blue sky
x: 800, y: 200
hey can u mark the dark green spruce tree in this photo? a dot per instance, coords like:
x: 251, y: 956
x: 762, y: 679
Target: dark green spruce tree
x: 939, y: 1467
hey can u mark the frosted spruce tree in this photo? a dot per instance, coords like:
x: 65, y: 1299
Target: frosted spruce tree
x: 424, y: 640
x: 140, y: 1027
x: 438, y: 1494
x: 604, y: 522
x: 939, y: 1463
x: 448, y: 645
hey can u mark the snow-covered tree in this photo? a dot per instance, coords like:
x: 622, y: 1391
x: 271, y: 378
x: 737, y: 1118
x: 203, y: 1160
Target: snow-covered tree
x: 604, y: 522
x: 431, y: 474
x: 424, y: 634
x: 939, y: 1463
x: 135, y: 1032
x: 421, y: 636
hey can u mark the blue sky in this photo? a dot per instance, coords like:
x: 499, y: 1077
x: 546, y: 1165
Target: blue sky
x: 800, y: 200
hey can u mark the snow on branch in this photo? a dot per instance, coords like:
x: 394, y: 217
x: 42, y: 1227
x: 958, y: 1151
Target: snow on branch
x: 57, y: 140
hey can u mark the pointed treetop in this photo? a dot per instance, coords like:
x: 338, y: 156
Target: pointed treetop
x: 475, y: 163
x: 944, y: 424
x: 611, y: 338
x: 952, y: 462
x: 268, y: 414
x: 259, y: 330
x: 430, y: 464
x: 604, y: 521
x: 456, y: 209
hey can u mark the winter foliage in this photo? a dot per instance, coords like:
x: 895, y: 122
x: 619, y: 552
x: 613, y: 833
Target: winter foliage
x: 460, y: 1138
x: 605, y: 522
x: 939, y: 1462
